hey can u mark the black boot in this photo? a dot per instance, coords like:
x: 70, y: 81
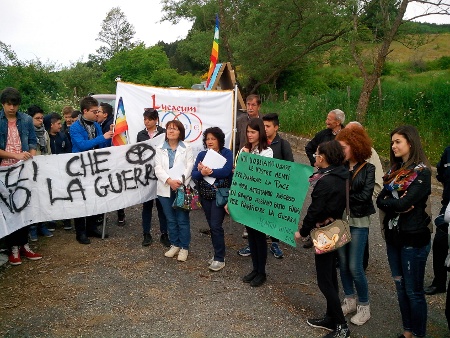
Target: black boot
x: 147, y: 240
x: 80, y: 229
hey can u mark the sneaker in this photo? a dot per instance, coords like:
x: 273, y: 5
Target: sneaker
x: 258, y: 280
x: 245, y: 252
x: 165, y: 240
x: 308, y: 243
x: 248, y: 278
x: 362, y: 315
x: 44, y: 231
x: 67, y: 224
x: 32, y: 233
x: 147, y: 240
x: 14, y: 257
x: 348, y: 305
x: 245, y: 234
x: 121, y: 220
x: 216, y: 266
x: 172, y: 251
x: 28, y: 253
x: 51, y: 226
x: 323, y: 323
x: 182, y: 255
x: 276, y: 251
x: 342, y: 331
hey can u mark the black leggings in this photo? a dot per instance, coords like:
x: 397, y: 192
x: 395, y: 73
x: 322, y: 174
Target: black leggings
x: 328, y: 285
x: 258, y: 249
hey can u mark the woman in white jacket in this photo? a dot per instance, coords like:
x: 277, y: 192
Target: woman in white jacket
x: 174, y: 153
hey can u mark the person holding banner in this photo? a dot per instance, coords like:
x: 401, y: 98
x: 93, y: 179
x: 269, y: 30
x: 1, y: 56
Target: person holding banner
x: 18, y: 142
x: 86, y: 134
x: 257, y: 144
x: 173, y: 163
x: 151, y: 119
x: 328, y: 200
x: 357, y: 148
x: 214, y: 140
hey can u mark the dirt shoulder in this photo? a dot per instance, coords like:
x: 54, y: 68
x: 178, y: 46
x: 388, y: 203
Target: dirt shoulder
x: 117, y: 288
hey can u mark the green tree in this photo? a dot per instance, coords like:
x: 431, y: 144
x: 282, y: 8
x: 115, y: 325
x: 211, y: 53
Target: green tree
x: 262, y: 38
x: 390, y: 14
x: 136, y: 65
x: 117, y: 33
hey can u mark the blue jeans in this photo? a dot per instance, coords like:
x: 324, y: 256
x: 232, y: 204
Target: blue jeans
x: 408, y: 269
x: 214, y: 216
x: 351, y: 265
x: 147, y: 210
x: 178, y: 224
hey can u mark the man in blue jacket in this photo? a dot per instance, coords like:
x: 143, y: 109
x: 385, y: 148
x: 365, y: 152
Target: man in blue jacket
x: 18, y: 142
x: 86, y: 134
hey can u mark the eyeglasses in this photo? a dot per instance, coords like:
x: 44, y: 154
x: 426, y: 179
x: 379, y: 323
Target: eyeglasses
x: 94, y: 111
x: 38, y: 118
x: 317, y: 155
x: 172, y: 128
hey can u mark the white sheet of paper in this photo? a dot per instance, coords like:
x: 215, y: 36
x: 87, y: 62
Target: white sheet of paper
x: 176, y: 172
x: 214, y: 160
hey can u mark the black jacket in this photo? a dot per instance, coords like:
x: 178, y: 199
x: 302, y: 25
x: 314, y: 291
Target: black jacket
x: 413, y: 224
x: 281, y: 149
x: 327, y: 198
x: 443, y: 175
x: 143, y: 134
x: 107, y: 123
x: 311, y: 147
x: 60, y: 144
x: 361, y: 190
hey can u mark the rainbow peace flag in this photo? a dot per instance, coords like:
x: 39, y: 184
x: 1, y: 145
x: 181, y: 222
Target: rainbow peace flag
x: 214, y: 53
x: 120, y: 126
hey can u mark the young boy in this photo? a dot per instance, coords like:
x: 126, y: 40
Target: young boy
x: 86, y: 134
x: 282, y: 151
x: 43, y: 148
x: 17, y: 142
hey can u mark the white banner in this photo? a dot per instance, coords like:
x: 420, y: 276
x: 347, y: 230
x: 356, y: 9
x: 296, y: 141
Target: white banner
x: 196, y: 109
x: 65, y: 186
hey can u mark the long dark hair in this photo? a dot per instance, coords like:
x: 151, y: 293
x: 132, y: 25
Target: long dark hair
x: 416, y: 154
x: 258, y: 125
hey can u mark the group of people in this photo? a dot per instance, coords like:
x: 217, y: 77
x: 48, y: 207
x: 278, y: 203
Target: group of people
x: 348, y: 169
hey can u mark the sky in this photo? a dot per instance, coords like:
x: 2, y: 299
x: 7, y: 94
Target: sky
x: 64, y: 32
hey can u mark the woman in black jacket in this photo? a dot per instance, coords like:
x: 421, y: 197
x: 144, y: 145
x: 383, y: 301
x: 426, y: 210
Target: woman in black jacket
x: 407, y: 186
x: 357, y: 147
x: 327, y: 204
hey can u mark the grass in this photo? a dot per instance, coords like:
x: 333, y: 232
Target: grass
x: 422, y: 100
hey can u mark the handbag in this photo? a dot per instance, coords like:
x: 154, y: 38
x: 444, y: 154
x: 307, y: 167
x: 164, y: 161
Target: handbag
x: 222, y: 196
x: 187, y: 198
x: 336, y: 234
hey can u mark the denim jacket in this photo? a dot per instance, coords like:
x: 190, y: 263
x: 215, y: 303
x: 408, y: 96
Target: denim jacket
x: 25, y: 128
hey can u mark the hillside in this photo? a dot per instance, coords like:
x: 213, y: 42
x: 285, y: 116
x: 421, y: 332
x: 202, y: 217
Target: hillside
x: 436, y: 46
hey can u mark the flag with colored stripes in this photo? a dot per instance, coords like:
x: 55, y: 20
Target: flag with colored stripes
x: 120, y: 126
x: 214, y: 53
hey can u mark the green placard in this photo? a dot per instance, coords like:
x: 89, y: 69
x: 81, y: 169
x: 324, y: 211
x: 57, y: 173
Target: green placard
x: 268, y: 194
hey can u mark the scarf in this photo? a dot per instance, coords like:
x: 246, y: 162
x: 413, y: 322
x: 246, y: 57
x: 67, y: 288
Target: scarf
x: 89, y: 127
x: 397, y: 180
x: 40, y: 133
x: 314, y: 178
